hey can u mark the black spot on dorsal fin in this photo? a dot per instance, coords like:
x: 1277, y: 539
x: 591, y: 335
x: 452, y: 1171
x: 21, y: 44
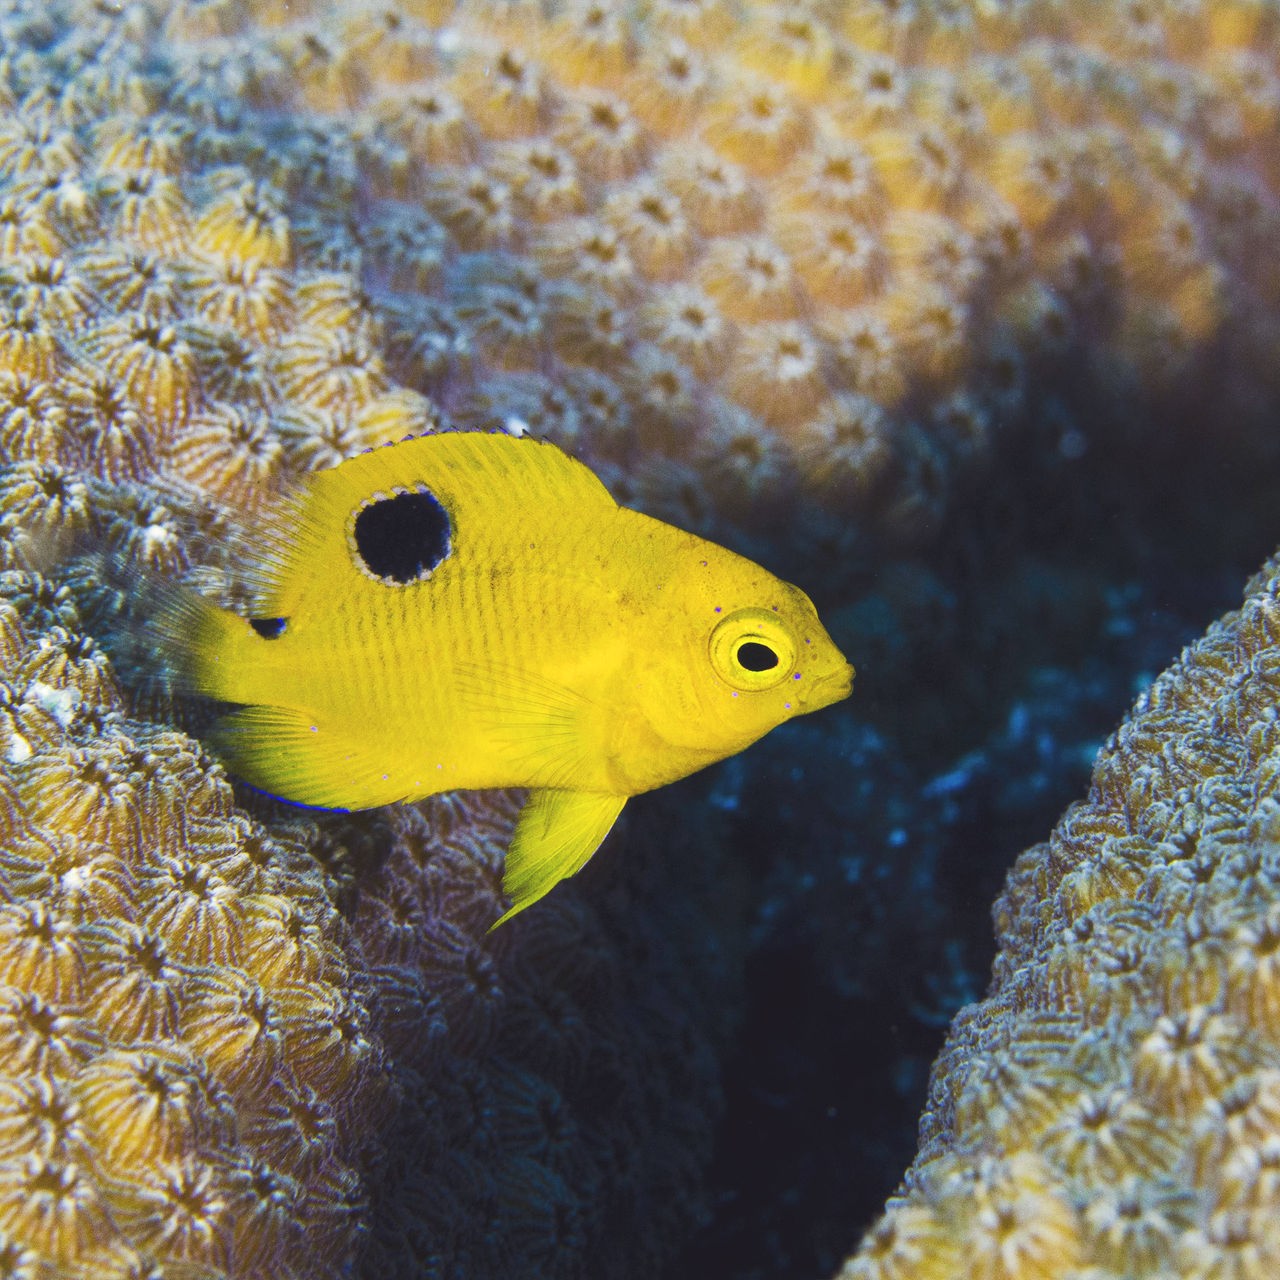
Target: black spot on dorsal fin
x: 269, y: 628
x: 402, y: 538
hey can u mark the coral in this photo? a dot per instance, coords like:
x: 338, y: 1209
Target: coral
x: 143, y: 1024
x: 549, y: 1059
x: 909, y: 192
x: 1120, y: 1075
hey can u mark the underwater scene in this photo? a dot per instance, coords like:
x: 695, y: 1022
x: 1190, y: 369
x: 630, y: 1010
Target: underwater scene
x: 455, y: 456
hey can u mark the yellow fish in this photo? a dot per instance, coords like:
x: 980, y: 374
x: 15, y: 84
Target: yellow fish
x: 468, y: 610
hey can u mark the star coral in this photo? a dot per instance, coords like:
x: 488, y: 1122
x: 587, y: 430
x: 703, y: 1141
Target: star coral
x: 1121, y: 1072
x: 142, y: 1034
x: 870, y: 200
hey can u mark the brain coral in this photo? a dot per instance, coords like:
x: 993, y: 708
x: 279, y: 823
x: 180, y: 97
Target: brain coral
x: 734, y: 253
x: 1112, y: 1108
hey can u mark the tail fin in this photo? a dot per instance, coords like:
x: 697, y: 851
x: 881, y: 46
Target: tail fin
x: 201, y: 646
x: 166, y: 640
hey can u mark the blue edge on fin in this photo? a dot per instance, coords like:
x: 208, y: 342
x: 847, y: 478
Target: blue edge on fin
x: 293, y: 804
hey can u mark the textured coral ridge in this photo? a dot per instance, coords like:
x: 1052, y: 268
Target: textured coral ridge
x: 198, y: 1054
x: 188, y: 1075
x: 183, y: 1049
x: 728, y: 248
x: 1113, y: 1107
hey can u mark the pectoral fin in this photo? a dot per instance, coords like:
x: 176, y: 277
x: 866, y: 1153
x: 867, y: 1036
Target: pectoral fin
x: 538, y: 724
x: 556, y: 833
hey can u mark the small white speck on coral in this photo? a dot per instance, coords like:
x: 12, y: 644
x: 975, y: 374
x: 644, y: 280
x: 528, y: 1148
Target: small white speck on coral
x: 61, y: 704
x: 157, y: 537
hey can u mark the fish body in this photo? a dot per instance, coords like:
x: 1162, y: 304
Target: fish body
x: 473, y: 610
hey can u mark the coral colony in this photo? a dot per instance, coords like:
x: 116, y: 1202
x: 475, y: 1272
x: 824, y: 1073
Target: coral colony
x: 745, y: 260
x: 1113, y: 1104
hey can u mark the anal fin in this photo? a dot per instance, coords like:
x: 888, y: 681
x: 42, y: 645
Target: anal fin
x: 286, y: 753
x: 556, y: 834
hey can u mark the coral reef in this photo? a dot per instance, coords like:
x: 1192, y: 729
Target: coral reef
x: 732, y: 255
x: 208, y: 1020
x: 187, y: 1074
x: 1108, y: 1109
x: 841, y: 252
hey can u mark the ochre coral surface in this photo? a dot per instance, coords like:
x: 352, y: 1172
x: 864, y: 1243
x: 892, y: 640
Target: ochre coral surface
x: 1112, y: 1109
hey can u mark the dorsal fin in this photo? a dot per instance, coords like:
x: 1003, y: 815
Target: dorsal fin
x: 486, y: 477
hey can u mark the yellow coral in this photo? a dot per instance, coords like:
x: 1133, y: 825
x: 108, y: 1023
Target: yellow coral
x: 143, y: 1057
x: 941, y: 177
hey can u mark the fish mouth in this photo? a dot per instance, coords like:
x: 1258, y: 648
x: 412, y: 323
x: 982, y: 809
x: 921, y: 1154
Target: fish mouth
x: 832, y: 687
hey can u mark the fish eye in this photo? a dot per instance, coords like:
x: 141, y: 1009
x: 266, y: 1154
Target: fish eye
x: 752, y: 649
x: 400, y: 537
x: 754, y: 655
